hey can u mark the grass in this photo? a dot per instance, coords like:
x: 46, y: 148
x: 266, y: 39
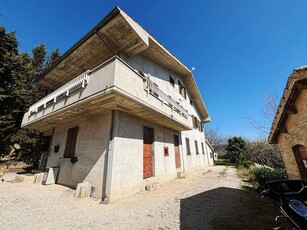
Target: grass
x: 225, y: 162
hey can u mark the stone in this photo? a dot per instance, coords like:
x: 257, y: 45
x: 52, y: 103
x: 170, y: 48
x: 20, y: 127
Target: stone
x: 180, y: 175
x: 152, y: 186
x: 28, y: 177
x: 38, y: 178
x: 83, y: 190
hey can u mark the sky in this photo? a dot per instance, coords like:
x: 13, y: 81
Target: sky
x: 242, y: 50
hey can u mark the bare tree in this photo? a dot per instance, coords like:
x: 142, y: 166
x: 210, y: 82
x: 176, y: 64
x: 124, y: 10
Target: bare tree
x: 214, y: 136
x: 264, y: 120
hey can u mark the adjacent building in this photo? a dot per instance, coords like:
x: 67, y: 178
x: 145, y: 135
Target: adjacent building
x: 290, y: 125
x: 123, y: 112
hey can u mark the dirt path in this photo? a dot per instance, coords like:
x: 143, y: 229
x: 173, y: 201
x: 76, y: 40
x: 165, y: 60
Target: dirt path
x: 190, y: 203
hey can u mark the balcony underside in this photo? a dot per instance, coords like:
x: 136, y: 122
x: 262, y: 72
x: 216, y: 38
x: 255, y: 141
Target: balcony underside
x: 112, y: 99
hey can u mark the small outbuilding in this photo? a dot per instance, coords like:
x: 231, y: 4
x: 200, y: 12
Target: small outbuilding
x: 289, y: 128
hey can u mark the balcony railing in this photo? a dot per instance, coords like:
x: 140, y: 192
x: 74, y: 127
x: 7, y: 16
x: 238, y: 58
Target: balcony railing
x: 154, y: 90
x: 82, y: 80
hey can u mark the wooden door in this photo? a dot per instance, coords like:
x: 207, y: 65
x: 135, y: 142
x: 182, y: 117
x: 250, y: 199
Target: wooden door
x: 147, y: 152
x: 177, y: 154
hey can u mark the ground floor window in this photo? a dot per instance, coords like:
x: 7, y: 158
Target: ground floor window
x: 300, y: 155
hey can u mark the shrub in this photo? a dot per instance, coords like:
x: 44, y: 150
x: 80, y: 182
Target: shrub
x: 262, y: 175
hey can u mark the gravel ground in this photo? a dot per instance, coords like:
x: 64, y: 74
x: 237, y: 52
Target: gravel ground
x: 189, y: 203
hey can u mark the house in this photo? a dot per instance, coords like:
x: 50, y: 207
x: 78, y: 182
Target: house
x: 123, y: 112
x: 290, y: 125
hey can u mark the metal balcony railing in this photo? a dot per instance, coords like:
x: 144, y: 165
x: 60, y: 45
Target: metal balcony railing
x: 82, y: 80
x: 154, y: 90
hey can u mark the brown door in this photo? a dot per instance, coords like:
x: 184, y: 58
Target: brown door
x: 176, y: 146
x: 147, y: 152
x: 301, y: 160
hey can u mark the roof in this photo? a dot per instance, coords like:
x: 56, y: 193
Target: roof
x: 117, y: 33
x: 296, y: 82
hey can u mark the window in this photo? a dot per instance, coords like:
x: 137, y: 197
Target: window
x: 202, y: 148
x: 196, y: 147
x: 71, y: 142
x: 194, y: 119
x: 172, y: 81
x: 187, y: 141
x: 182, y: 90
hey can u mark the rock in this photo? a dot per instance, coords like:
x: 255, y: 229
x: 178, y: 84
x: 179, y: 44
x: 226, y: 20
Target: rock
x: 83, y: 190
x: 152, y: 186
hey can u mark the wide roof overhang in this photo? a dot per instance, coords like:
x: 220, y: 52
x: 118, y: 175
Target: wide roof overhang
x: 117, y: 33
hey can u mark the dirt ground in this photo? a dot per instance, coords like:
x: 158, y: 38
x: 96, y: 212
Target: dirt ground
x: 191, y: 203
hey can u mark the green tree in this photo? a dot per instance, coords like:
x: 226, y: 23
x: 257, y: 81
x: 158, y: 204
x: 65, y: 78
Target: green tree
x: 236, y: 150
x: 18, y: 90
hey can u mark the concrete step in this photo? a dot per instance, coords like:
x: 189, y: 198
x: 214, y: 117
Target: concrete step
x: 180, y: 175
x: 152, y: 186
x: 27, y: 177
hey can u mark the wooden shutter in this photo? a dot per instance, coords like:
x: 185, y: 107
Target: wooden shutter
x: 196, y: 147
x: 187, y: 141
x: 71, y: 142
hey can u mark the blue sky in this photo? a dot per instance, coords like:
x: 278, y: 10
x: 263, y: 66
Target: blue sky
x: 240, y: 49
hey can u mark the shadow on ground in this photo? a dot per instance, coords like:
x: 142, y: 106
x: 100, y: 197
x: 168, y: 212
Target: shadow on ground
x: 227, y: 208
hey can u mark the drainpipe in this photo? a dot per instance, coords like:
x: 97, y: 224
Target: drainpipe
x: 206, y: 146
x: 106, y: 182
x: 182, y: 160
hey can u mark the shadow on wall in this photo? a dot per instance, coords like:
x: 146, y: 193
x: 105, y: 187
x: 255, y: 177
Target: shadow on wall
x: 227, y: 208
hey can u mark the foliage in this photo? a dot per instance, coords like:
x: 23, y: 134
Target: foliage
x: 262, y: 174
x: 236, y: 150
x: 18, y: 90
x: 263, y: 153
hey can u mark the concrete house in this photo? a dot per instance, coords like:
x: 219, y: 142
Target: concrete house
x: 123, y: 112
x: 289, y: 128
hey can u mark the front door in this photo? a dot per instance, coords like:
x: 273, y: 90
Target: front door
x: 177, y: 155
x: 147, y: 152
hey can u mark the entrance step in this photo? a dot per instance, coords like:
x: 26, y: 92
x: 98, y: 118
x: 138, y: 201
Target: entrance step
x: 152, y: 186
x: 180, y: 175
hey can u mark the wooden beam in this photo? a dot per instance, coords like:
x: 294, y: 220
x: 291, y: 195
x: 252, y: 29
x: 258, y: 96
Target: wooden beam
x: 291, y: 109
x: 282, y: 129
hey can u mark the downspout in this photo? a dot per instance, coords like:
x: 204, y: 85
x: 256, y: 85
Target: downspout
x: 106, y: 182
x: 182, y: 160
x: 206, y: 146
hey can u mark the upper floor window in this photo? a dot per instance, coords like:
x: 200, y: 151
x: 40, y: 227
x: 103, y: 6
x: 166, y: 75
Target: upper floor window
x: 172, y: 81
x: 182, y: 90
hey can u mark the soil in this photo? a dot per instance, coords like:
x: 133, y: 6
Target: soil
x: 195, y: 202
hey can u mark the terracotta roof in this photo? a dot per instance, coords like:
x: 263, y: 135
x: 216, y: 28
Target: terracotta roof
x: 296, y: 81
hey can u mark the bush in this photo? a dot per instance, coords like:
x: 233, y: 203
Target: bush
x: 263, y: 175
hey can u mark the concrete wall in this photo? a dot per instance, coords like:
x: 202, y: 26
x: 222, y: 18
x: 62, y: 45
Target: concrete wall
x: 92, y: 142
x: 127, y: 172
x: 296, y: 125
x: 160, y: 76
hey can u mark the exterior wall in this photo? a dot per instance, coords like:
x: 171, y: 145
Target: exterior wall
x: 127, y: 171
x: 296, y: 125
x: 160, y: 76
x: 92, y: 142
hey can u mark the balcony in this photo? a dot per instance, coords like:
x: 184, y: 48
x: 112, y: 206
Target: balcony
x: 113, y: 85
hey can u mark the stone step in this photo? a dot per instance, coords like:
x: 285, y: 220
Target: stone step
x: 27, y: 177
x: 152, y: 186
x: 180, y: 175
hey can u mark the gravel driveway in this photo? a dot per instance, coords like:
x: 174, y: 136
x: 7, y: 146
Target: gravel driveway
x: 189, y: 203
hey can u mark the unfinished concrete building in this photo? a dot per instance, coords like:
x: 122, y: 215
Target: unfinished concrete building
x: 123, y: 112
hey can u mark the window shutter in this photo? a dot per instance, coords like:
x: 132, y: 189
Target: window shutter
x: 71, y: 142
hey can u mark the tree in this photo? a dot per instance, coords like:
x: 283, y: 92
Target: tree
x: 18, y: 90
x: 214, y: 137
x: 8, y: 67
x: 236, y: 150
x: 263, y: 153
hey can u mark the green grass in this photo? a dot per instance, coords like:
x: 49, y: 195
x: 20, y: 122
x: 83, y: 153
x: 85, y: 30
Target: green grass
x: 224, y: 162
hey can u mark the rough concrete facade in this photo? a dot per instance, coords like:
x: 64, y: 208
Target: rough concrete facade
x: 97, y: 118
